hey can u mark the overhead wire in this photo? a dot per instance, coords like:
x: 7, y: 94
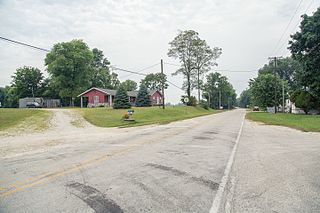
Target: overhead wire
x: 23, y: 44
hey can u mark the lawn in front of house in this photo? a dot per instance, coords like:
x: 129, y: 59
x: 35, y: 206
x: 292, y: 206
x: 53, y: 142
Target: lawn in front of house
x: 107, y: 117
x: 24, y: 118
x: 308, y: 123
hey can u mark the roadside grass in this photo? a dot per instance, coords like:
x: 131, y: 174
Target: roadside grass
x: 107, y: 117
x: 307, y: 123
x: 20, y: 119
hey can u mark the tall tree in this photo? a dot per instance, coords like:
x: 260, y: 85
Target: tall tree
x: 129, y: 85
x: 245, y: 98
x: 205, y: 58
x: 121, y: 99
x: 153, y: 81
x: 27, y: 82
x: 287, y: 69
x: 183, y: 48
x: 143, y: 97
x: 265, y: 88
x: 217, y: 90
x: 69, y: 64
x: 305, y: 47
x: 115, y: 83
x: 100, y: 73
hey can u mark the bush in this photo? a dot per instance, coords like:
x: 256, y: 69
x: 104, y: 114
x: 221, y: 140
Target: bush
x: 204, y: 104
x: 192, y: 100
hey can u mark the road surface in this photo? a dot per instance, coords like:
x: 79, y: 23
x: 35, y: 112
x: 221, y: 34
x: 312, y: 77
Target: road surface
x: 177, y: 167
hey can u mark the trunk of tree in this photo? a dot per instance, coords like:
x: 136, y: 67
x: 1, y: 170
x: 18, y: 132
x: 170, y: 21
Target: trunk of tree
x: 188, y: 87
x: 71, y: 101
x: 198, y: 86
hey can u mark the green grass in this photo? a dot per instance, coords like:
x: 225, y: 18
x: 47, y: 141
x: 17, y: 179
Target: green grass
x: 106, y: 117
x: 23, y: 118
x: 308, y: 123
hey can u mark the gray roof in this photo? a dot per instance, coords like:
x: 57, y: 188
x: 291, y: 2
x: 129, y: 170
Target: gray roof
x: 113, y: 92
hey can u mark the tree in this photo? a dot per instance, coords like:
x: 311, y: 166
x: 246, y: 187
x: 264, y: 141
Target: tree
x: 304, y: 100
x: 154, y: 81
x: 264, y: 88
x: 287, y: 69
x: 183, y: 48
x: 205, y: 58
x: 129, y: 85
x: 217, y: 90
x: 121, y: 99
x: 245, y: 98
x: 69, y: 64
x: 115, y: 83
x: 196, y: 58
x: 143, y: 97
x: 2, y: 96
x: 27, y: 82
x: 305, y: 47
x: 100, y: 73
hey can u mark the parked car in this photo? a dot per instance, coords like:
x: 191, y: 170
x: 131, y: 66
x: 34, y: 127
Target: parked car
x: 255, y: 108
x: 33, y: 105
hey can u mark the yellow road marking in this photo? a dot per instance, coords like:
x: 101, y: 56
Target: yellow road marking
x: 50, y: 176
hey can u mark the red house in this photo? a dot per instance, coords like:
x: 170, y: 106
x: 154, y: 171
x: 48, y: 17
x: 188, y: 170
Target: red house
x: 95, y: 97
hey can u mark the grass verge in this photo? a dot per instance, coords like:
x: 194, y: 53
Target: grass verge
x: 106, y: 117
x: 307, y: 123
x: 31, y: 119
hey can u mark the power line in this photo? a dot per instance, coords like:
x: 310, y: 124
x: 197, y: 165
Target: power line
x: 139, y: 71
x: 295, y: 27
x: 24, y: 44
x: 222, y: 70
x: 287, y: 26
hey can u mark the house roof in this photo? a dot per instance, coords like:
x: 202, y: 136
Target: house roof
x: 113, y: 92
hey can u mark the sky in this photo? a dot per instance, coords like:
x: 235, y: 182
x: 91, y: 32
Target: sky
x: 135, y: 34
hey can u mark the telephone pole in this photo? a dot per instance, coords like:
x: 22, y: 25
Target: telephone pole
x: 275, y: 58
x: 163, y: 104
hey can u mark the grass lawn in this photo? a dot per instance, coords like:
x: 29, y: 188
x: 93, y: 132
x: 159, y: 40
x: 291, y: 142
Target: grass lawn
x: 106, y: 117
x: 308, y: 123
x: 23, y: 118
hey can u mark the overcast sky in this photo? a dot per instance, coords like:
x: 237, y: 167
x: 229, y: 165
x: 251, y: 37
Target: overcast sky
x: 134, y: 34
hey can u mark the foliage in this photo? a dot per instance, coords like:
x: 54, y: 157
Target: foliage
x: 27, y: 81
x: 129, y: 85
x: 69, y: 64
x: 304, y: 100
x: 245, y: 98
x: 2, y: 96
x: 143, y: 115
x: 115, y: 83
x: 287, y: 69
x: 264, y: 88
x: 196, y: 58
x: 11, y: 97
x: 154, y: 81
x: 204, y: 104
x: 305, y: 47
x: 121, y: 99
x: 143, y: 97
x: 302, y: 122
x: 216, y: 86
x: 192, y: 100
x: 100, y: 73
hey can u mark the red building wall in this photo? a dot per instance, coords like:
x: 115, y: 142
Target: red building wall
x: 154, y: 97
x: 94, y: 92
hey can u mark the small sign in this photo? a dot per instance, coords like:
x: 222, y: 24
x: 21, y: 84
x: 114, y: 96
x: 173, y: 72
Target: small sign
x: 186, y: 100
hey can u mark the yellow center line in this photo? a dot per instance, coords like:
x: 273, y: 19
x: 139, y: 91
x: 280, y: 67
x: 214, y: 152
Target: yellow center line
x: 33, y: 181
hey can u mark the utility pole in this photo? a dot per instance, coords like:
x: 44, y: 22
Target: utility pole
x: 275, y: 58
x: 219, y: 99
x: 283, y: 96
x: 163, y: 104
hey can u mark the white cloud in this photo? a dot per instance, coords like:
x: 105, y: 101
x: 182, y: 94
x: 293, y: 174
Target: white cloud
x: 135, y: 34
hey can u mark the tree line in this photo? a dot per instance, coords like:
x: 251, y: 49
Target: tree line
x: 298, y: 74
x: 73, y: 68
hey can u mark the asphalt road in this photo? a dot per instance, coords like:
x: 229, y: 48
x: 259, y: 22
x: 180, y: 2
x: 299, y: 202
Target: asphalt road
x: 178, y: 167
